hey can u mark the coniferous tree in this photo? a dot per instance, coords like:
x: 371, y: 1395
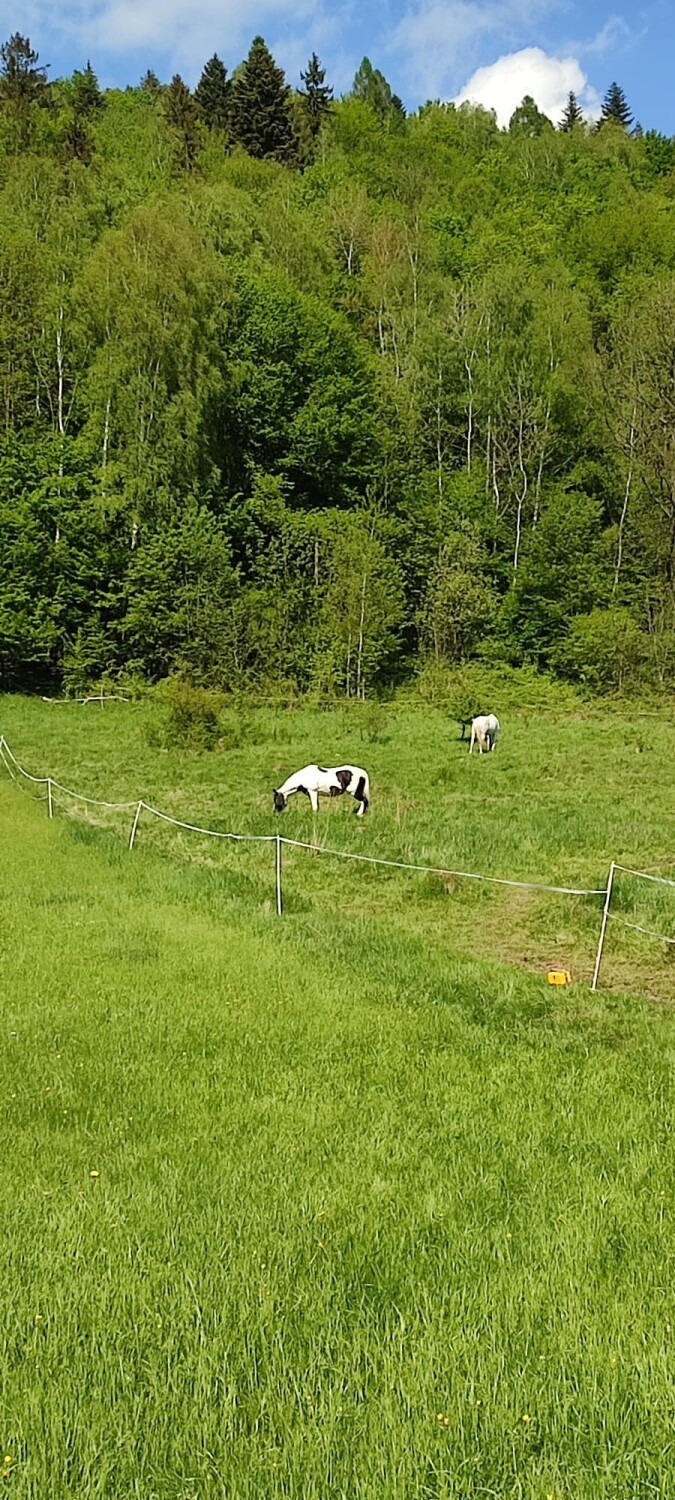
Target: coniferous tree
x: 23, y: 85
x: 615, y: 108
x: 317, y: 96
x: 572, y: 114
x: 77, y: 140
x: 260, y: 114
x: 150, y: 83
x: 22, y: 79
x: 371, y: 86
x: 181, y: 114
x: 212, y: 94
x: 87, y: 96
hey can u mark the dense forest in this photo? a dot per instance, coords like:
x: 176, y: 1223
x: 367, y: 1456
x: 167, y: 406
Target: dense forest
x: 306, y: 393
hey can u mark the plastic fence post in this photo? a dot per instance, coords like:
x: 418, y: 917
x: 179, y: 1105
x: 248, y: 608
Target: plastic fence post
x: 603, y: 929
x: 49, y: 796
x: 135, y: 824
x: 279, y: 900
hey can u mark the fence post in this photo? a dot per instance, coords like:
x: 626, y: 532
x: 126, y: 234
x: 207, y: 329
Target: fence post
x: 279, y: 900
x: 49, y: 796
x: 135, y: 826
x: 603, y: 929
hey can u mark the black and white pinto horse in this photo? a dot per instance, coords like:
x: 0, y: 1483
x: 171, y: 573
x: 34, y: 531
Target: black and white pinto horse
x: 317, y: 781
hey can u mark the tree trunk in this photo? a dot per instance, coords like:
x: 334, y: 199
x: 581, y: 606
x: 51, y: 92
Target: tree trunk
x: 522, y: 491
x: 106, y: 439
x: 59, y: 372
x: 626, y: 498
x: 469, y: 428
x: 413, y: 256
x: 439, y: 432
x: 360, y: 688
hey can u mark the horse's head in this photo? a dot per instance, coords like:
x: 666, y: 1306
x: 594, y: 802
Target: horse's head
x: 279, y: 801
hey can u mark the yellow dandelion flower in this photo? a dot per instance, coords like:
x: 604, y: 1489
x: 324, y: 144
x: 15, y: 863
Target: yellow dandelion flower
x: 7, y: 1458
x: 94, y: 1173
x: 527, y: 1417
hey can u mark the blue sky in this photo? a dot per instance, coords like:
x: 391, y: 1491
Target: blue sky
x: 491, y: 50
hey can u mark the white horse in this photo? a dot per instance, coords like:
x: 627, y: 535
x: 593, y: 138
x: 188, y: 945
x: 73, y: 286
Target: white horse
x: 484, y: 733
x: 317, y: 781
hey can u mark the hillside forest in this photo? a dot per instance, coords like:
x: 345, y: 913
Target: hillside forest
x: 306, y: 393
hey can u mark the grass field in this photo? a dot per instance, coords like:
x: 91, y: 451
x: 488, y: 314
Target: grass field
x: 563, y: 795
x: 326, y: 1207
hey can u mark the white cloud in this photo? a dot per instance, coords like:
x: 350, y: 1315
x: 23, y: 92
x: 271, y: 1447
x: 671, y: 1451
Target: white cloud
x: 175, y: 36
x: 189, y: 34
x: 503, y: 84
x: 436, y: 40
x: 614, y: 36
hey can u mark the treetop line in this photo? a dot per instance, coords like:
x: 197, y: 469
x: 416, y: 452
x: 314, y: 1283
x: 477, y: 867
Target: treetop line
x: 254, y: 107
x: 299, y: 392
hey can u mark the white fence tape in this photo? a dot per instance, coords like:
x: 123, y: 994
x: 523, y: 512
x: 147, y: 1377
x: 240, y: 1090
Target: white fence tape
x: 397, y: 864
x: 96, y: 698
x: 211, y: 833
x: 91, y: 801
x: 637, y: 875
x: 642, y: 875
x: 37, y: 780
x: 14, y: 777
x: 647, y: 931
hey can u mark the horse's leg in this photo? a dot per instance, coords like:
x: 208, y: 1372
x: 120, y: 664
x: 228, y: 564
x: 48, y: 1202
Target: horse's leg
x: 314, y: 799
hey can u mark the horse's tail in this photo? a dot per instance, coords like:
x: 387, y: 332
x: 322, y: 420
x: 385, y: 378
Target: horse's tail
x: 362, y: 793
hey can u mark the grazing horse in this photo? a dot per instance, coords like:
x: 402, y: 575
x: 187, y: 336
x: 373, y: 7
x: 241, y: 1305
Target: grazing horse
x: 316, y: 781
x: 484, y: 732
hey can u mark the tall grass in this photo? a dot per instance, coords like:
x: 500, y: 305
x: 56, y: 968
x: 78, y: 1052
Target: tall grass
x: 312, y: 1209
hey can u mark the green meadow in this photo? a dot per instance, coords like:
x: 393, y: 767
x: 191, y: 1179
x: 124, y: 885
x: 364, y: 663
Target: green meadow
x: 351, y: 1203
